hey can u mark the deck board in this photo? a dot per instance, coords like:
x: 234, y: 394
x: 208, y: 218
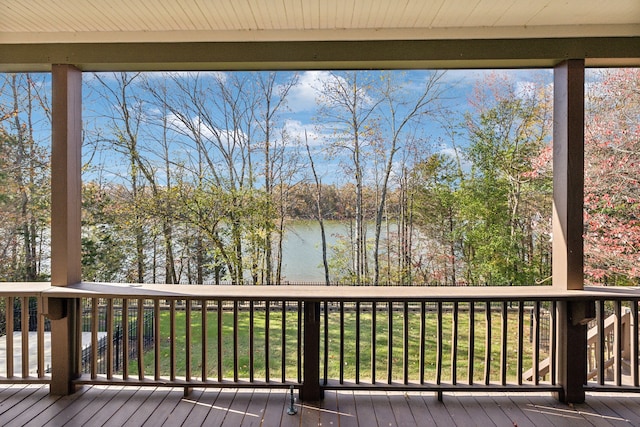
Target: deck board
x: 493, y: 411
x: 419, y: 410
x: 13, y: 394
x: 476, y: 413
x: 630, y: 406
x: 32, y: 405
x: 57, y: 406
x: 183, y: 408
x: 132, y: 405
x: 114, y: 399
x: 568, y: 414
x: 256, y: 408
x: 239, y: 408
x: 235, y: 408
x: 18, y: 402
x: 602, y: 415
x: 73, y: 404
x: 347, y: 409
x: 164, y: 410
x: 512, y: 411
x: 543, y: 408
x: 364, y: 409
x: 329, y: 416
x: 151, y: 405
x: 308, y: 415
x: 438, y: 410
x: 21, y: 413
x: 202, y: 403
x: 382, y: 408
x: 402, y: 411
x: 26, y: 416
x: 533, y: 413
x: 458, y: 412
x: 275, y: 408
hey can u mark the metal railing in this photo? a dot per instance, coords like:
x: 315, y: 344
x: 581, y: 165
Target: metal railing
x: 96, y: 310
x: 391, y: 345
x: 438, y: 345
x: 196, y: 342
x: 318, y: 338
x: 612, y: 346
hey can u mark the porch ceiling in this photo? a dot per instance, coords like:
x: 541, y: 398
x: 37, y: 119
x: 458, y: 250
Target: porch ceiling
x: 40, y: 32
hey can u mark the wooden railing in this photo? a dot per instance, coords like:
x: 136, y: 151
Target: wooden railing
x: 23, y: 329
x: 317, y: 338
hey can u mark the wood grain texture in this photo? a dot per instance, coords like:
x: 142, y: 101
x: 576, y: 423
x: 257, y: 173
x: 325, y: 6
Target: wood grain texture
x: 108, y: 405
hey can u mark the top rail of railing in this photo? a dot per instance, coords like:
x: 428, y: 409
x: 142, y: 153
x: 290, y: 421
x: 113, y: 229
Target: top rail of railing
x: 316, y: 293
x: 23, y: 289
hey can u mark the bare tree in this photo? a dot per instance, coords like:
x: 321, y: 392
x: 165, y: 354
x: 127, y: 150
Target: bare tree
x: 345, y: 105
x: 273, y: 95
x: 319, y: 216
x: 24, y: 174
x: 403, y: 110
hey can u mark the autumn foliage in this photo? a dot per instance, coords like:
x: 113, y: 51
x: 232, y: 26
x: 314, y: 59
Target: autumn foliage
x: 612, y: 173
x: 195, y: 178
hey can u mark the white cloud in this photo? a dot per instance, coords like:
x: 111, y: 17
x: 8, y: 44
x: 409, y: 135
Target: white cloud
x: 297, y: 129
x: 302, y: 96
x: 469, y: 78
x: 462, y: 78
x: 225, y: 138
x: 184, y: 75
x: 450, y: 152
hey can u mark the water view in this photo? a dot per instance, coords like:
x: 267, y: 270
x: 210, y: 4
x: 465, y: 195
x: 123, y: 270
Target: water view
x: 302, y: 249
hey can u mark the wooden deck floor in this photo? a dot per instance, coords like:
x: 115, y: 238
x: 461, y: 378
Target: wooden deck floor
x: 116, y: 406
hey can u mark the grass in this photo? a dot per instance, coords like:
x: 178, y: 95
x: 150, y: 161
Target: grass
x: 351, y: 355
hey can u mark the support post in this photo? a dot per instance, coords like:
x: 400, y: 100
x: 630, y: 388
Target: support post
x: 66, y: 202
x: 65, y: 359
x: 568, y: 204
x: 311, y: 390
x: 568, y: 175
x: 573, y: 317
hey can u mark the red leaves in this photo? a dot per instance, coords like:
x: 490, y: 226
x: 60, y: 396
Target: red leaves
x: 612, y: 193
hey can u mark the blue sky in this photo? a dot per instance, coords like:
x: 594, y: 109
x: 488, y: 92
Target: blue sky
x: 301, y: 115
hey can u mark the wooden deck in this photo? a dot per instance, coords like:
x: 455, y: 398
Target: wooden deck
x: 31, y: 405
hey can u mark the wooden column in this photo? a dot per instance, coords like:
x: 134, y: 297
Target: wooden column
x: 568, y: 202
x: 66, y: 202
x: 568, y: 174
x: 66, y: 194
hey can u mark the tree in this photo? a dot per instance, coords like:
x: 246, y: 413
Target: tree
x: 124, y: 123
x: 318, y: 213
x: 438, y: 211
x: 346, y: 106
x: 103, y: 249
x: 612, y: 187
x: 229, y: 126
x: 507, y: 129
x: 277, y: 170
x: 404, y: 109
x: 24, y: 174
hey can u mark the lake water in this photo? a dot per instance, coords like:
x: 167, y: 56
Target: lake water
x: 302, y: 248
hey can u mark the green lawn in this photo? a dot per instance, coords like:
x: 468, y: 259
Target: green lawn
x: 350, y: 351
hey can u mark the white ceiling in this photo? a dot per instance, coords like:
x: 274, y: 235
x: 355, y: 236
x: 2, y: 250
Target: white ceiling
x: 72, y: 21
